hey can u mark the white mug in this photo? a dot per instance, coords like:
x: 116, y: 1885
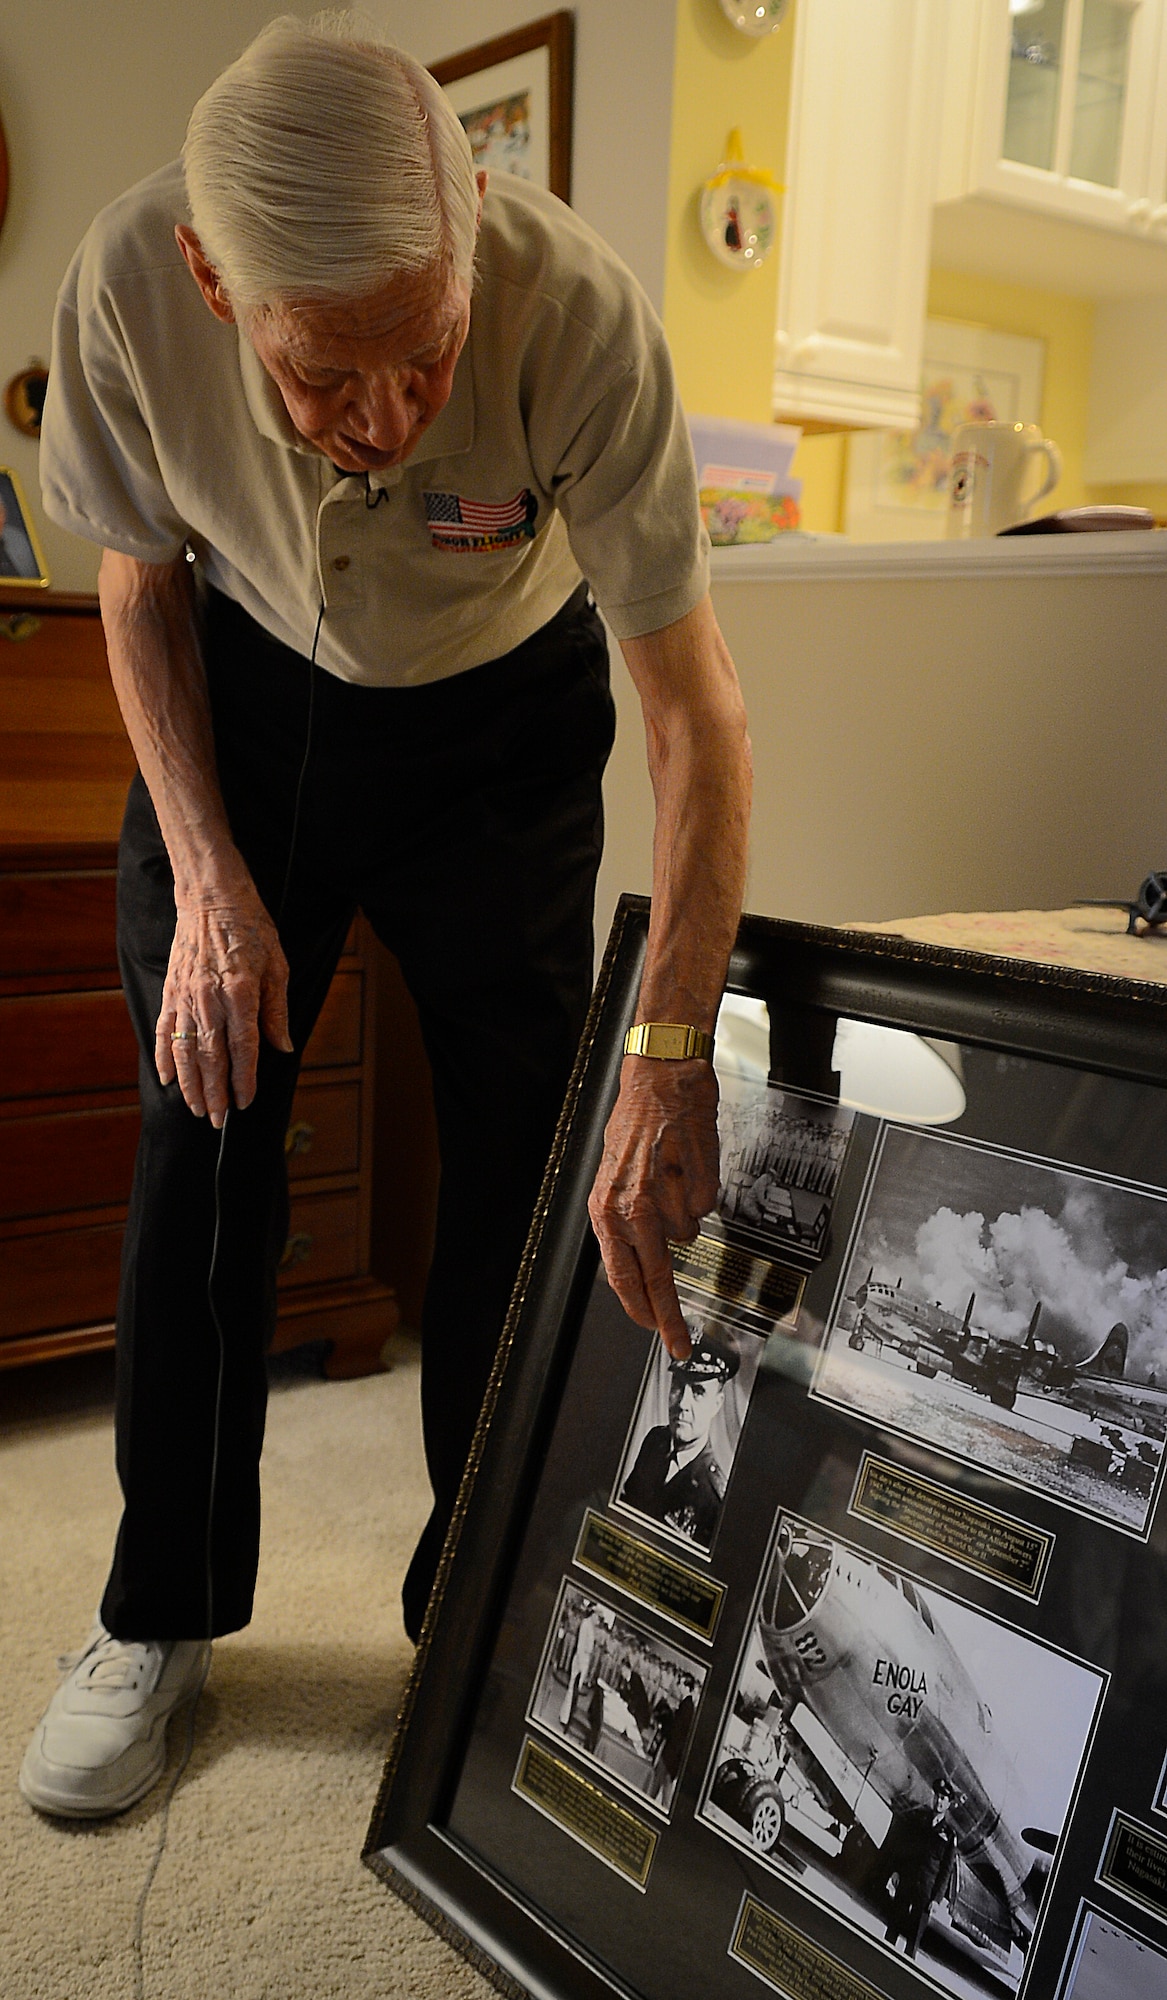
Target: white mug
x: 992, y: 470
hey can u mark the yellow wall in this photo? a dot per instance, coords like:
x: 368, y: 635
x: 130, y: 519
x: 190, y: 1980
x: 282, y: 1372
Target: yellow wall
x: 720, y: 323
x: 821, y: 464
x: 1066, y: 325
x: 1152, y: 497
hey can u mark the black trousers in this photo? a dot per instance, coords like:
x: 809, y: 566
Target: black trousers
x: 465, y: 819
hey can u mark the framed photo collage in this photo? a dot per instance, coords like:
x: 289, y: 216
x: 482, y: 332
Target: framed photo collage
x: 833, y: 1661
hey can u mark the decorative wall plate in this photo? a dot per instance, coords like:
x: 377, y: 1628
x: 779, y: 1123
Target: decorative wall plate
x: 739, y: 210
x: 756, y: 17
x: 24, y: 398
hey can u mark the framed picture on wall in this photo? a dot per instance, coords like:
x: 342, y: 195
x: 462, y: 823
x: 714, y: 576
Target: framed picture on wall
x: 21, y: 561
x: 513, y: 95
x: 897, y: 481
x: 833, y: 1660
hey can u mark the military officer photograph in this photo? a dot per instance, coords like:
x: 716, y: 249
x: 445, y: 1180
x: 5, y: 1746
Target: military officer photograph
x: 688, y: 1423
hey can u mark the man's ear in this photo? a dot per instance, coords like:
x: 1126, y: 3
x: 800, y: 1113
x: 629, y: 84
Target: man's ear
x: 204, y: 274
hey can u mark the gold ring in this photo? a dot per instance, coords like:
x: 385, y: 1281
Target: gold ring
x: 185, y: 1035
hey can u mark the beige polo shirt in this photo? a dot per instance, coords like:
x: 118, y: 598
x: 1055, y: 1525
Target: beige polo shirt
x: 562, y: 450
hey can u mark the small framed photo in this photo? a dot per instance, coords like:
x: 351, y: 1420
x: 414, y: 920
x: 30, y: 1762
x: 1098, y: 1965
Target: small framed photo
x: 21, y: 562
x: 897, y: 481
x: 620, y: 1696
x: 513, y: 95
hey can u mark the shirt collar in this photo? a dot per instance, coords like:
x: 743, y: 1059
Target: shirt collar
x: 451, y: 432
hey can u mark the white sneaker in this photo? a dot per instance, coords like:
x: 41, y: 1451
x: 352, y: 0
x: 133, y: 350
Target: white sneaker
x: 101, y: 1742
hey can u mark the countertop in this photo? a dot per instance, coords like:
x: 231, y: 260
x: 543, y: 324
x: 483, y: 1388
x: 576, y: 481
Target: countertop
x: 830, y: 558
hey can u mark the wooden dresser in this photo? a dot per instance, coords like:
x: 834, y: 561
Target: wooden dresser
x: 68, y: 1059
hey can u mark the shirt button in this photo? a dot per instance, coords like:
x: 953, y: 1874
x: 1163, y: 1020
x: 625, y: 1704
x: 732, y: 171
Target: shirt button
x: 341, y: 562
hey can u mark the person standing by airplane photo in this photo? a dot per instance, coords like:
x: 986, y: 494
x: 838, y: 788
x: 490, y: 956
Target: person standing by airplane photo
x: 919, y: 1853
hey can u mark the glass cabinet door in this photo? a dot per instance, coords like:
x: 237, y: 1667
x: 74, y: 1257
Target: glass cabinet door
x: 1100, y: 93
x: 1065, y: 104
x: 1035, y: 78
x: 1067, y: 99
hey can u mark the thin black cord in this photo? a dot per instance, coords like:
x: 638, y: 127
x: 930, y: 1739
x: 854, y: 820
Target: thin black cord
x: 303, y: 766
x: 192, y: 1706
x: 137, y: 1931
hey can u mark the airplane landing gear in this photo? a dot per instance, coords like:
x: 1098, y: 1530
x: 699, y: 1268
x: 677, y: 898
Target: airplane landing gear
x: 740, y: 1790
x: 766, y: 1824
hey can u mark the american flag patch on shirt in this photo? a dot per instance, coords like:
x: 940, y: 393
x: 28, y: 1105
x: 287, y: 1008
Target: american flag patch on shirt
x: 481, y: 526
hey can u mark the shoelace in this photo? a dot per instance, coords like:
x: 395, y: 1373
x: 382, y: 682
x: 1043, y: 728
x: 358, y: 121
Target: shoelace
x: 113, y: 1663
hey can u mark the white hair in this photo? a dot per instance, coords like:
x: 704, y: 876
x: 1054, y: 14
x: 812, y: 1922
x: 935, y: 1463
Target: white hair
x: 325, y: 161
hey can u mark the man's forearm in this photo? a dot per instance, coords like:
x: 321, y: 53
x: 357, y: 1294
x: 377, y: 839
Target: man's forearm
x: 659, y: 1170
x: 157, y: 671
x: 699, y: 762
x: 226, y: 983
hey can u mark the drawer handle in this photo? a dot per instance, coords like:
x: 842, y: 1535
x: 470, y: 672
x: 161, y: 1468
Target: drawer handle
x: 298, y: 1137
x: 297, y: 1250
x: 19, y: 625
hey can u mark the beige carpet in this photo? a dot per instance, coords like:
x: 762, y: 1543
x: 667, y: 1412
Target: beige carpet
x: 261, y: 1894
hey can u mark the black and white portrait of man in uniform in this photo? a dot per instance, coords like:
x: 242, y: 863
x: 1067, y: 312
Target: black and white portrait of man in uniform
x: 682, y: 1446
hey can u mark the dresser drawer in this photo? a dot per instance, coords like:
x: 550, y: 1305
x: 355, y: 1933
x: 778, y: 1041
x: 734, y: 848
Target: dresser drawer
x: 324, y: 1135
x: 64, y: 1278
x: 67, y: 1160
x: 57, y: 923
x: 324, y: 1240
x: 56, y: 1042
x: 85, y: 1159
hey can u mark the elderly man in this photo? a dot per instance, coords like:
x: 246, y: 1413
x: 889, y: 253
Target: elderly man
x: 351, y: 427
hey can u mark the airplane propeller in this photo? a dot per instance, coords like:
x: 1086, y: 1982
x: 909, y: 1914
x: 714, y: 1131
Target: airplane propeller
x: 1150, y: 904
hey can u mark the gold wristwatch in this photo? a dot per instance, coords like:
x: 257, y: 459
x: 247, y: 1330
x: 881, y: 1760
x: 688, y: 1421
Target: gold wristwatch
x: 669, y: 1041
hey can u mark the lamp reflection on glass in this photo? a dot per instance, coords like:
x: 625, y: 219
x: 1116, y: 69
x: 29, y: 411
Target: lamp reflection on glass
x: 743, y: 1037
x: 898, y: 1075
x: 885, y: 1071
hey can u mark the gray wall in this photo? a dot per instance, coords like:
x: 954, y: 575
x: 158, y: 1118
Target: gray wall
x: 95, y: 96
x: 924, y: 745
x: 92, y: 97
x: 623, y: 104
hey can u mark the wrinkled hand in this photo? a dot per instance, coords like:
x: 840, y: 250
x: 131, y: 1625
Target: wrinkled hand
x: 227, y: 980
x: 658, y: 1176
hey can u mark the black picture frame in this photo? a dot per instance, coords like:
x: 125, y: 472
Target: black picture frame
x: 1086, y: 1048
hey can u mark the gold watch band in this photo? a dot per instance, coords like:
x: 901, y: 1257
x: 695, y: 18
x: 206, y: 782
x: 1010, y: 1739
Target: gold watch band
x: 669, y: 1041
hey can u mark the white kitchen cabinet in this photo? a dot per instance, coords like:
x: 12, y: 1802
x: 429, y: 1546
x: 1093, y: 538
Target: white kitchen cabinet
x: 1055, y: 106
x: 1154, y: 221
x: 861, y: 180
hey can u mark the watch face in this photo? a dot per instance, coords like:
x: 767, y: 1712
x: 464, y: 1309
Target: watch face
x: 756, y: 17
x: 737, y: 222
